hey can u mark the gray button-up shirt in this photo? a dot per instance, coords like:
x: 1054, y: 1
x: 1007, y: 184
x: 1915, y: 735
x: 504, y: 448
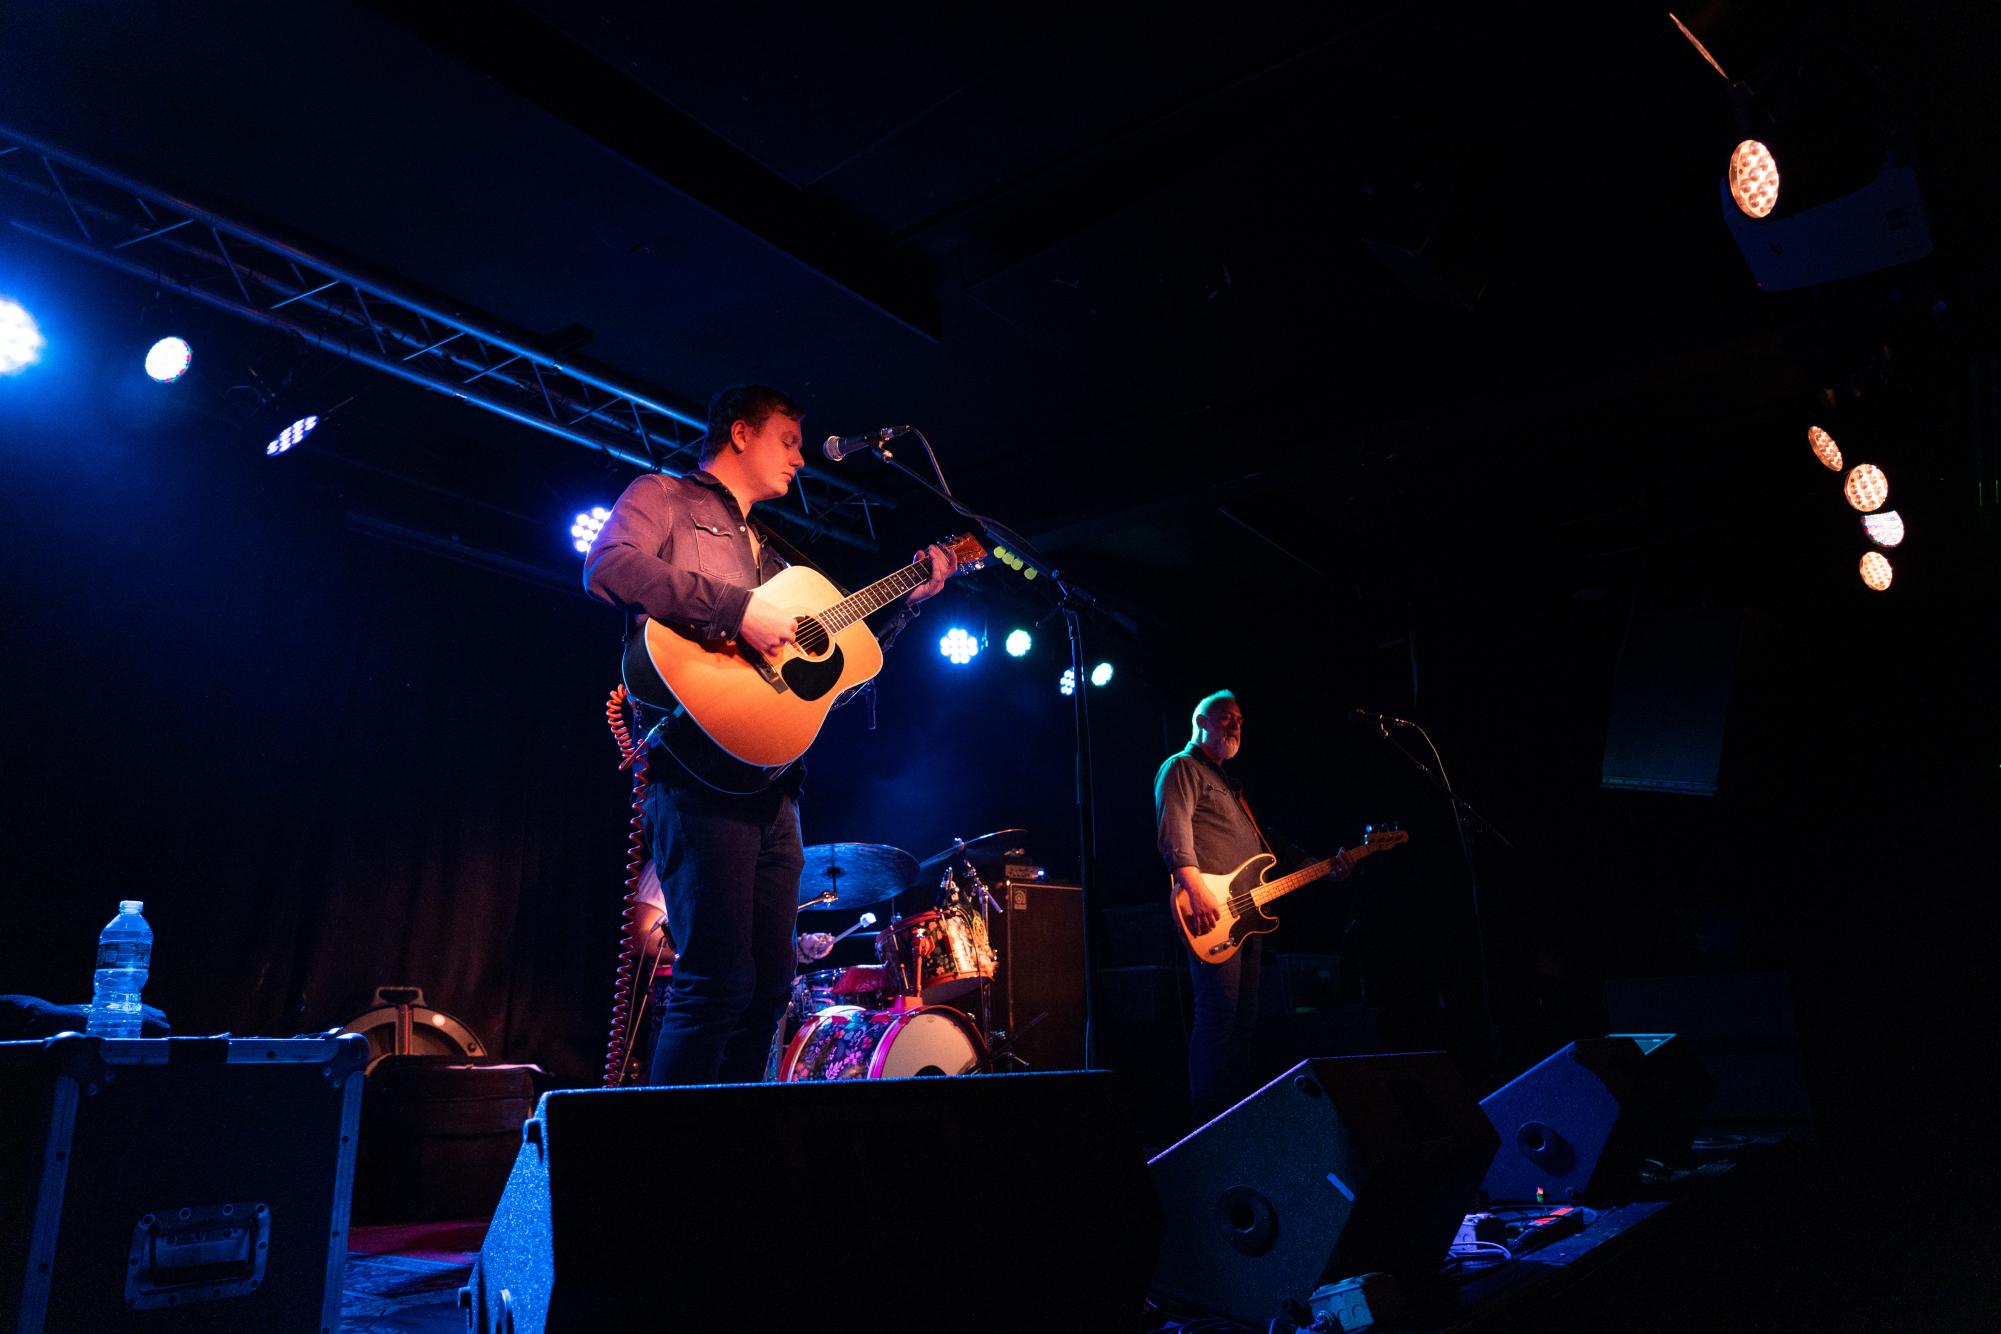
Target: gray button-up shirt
x: 1199, y: 821
x: 678, y: 548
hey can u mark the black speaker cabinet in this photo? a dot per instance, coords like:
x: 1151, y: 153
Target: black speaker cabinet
x: 983, y: 1202
x: 1679, y: 1092
x: 1039, y: 982
x: 1576, y: 1126
x: 1340, y: 1166
x: 176, y: 1184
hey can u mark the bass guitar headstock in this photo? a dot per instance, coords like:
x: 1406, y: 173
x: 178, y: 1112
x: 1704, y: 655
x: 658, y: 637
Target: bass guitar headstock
x: 1381, y: 837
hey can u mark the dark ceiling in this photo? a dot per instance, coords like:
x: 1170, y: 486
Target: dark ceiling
x: 1279, y: 289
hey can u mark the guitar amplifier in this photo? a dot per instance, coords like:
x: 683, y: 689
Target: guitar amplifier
x: 1038, y: 995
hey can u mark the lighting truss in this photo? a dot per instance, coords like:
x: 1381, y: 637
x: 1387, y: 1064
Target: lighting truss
x: 65, y: 201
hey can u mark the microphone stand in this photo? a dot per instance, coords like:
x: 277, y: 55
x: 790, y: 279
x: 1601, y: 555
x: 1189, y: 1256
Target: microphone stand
x: 1463, y: 815
x: 1072, y: 601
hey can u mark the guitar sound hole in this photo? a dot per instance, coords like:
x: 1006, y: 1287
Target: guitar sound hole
x: 811, y: 636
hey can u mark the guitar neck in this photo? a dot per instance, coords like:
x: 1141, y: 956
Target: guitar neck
x: 1304, y: 876
x: 875, y: 597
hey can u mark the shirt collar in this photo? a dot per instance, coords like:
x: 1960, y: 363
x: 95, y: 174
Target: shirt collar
x: 703, y: 477
x: 1202, y: 756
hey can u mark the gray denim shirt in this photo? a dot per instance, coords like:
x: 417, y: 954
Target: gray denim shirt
x: 1199, y: 821
x: 678, y: 548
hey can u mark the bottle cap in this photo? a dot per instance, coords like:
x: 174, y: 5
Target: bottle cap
x: 130, y: 905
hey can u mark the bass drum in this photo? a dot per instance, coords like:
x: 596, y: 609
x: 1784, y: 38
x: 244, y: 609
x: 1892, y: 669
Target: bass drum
x: 848, y: 1042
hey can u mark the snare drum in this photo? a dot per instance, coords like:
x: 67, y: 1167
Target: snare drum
x: 848, y: 1042
x: 947, y: 948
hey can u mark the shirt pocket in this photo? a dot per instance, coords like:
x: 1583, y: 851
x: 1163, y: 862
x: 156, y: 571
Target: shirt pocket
x: 718, y: 551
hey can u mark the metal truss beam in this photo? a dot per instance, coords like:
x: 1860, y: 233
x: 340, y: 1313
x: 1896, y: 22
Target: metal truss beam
x: 88, y: 210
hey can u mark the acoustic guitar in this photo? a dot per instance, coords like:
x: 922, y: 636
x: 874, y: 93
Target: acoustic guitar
x: 1244, y: 892
x: 763, y: 713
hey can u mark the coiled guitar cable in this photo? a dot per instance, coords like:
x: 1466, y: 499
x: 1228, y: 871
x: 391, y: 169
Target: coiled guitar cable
x: 625, y: 1004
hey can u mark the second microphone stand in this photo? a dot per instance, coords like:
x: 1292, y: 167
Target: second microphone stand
x: 1463, y: 815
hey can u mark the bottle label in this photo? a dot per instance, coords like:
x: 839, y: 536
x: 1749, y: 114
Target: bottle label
x: 124, y: 953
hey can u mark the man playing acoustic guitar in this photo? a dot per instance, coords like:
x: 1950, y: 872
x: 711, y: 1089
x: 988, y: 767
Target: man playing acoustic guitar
x: 683, y: 549
x: 1204, y: 825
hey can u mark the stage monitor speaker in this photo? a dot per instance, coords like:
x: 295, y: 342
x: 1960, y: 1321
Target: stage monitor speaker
x: 1038, y: 993
x: 1678, y: 1094
x: 175, y: 1185
x: 983, y: 1202
x: 1576, y: 1126
x: 1340, y: 1166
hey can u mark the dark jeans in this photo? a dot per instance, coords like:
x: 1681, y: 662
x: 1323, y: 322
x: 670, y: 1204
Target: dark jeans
x: 729, y: 870
x: 1219, y: 1045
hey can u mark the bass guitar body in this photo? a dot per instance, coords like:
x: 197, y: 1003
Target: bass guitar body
x: 1241, y: 919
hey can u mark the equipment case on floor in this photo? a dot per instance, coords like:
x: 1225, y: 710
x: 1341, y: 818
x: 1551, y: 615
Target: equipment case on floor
x: 175, y: 1185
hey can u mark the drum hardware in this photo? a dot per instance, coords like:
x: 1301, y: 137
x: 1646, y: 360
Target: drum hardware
x: 1001, y: 1047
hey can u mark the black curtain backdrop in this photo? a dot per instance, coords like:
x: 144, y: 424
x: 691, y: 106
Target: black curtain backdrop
x: 326, y: 763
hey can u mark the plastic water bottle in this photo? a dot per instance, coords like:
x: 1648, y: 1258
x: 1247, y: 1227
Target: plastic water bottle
x: 124, y: 952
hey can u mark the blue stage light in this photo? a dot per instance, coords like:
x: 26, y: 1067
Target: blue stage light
x: 291, y: 435
x: 1068, y: 685
x: 1101, y: 674
x: 168, y: 359
x: 21, y: 341
x: 585, y: 530
x: 1018, y: 643
x: 958, y: 646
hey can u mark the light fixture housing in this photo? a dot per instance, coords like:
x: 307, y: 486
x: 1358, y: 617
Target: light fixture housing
x: 168, y: 360
x: 1876, y: 571
x: 1866, y: 488
x: 1753, y: 175
x: 21, y: 340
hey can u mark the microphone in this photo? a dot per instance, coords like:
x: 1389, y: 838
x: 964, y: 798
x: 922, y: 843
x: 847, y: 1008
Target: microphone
x: 839, y: 447
x: 1379, y: 719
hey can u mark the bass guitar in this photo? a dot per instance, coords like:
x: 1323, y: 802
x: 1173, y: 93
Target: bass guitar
x: 1244, y: 893
x: 762, y: 713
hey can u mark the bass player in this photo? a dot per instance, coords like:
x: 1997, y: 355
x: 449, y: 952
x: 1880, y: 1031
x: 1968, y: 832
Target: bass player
x: 1203, y: 824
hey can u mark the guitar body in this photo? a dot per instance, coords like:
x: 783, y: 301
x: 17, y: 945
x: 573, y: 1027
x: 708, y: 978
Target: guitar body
x: 766, y: 711
x: 739, y: 719
x: 1244, y: 892
x: 1232, y: 929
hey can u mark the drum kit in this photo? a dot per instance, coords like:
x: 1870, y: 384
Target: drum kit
x: 924, y: 1007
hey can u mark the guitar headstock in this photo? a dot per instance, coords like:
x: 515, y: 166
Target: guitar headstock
x: 967, y: 551
x: 1378, y: 837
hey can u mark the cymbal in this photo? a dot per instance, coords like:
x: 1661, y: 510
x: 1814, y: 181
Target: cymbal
x: 858, y: 874
x: 939, y: 859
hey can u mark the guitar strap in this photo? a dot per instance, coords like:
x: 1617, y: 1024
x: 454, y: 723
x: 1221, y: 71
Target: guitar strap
x: 1263, y: 842
x: 790, y: 554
